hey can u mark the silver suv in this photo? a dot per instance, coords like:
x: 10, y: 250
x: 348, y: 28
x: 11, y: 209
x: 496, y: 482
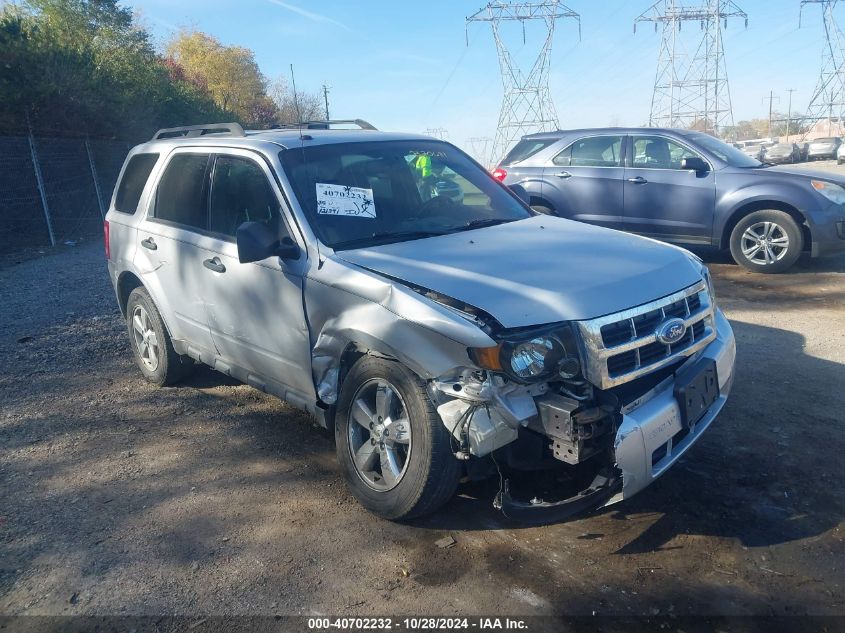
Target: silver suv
x: 387, y: 284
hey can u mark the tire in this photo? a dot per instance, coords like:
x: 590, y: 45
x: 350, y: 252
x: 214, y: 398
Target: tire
x: 542, y: 208
x: 151, y: 344
x: 781, y: 252
x: 428, y: 471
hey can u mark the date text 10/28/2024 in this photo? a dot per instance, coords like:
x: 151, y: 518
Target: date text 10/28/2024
x: 416, y: 624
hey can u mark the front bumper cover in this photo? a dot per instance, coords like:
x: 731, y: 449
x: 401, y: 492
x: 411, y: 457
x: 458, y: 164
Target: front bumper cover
x: 656, y: 423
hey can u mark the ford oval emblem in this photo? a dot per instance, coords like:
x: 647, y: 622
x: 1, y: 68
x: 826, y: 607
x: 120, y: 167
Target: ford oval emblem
x: 671, y: 331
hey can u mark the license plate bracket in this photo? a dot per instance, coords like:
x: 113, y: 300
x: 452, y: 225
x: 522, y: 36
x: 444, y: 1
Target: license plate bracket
x: 696, y: 389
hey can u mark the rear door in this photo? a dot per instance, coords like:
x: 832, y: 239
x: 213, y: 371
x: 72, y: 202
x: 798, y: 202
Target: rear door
x: 255, y: 310
x: 169, y: 258
x: 584, y: 181
x: 661, y: 199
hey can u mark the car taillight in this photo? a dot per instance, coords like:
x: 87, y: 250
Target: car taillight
x: 500, y: 174
x: 106, y: 241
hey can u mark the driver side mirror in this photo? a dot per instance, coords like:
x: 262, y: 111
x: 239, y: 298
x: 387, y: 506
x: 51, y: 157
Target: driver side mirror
x: 695, y: 163
x: 257, y: 242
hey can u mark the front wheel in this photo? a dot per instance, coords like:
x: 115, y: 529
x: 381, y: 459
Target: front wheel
x: 391, y: 443
x: 767, y: 241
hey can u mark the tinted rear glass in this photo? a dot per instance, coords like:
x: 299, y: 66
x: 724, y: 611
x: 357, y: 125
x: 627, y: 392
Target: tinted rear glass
x: 181, y: 192
x: 132, y: 184
x: 527, y: 148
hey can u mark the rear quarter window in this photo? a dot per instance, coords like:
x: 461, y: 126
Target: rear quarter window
x: 526, y: 148
x: 132, y: 184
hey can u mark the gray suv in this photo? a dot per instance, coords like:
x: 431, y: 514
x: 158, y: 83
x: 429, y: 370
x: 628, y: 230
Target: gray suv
x: 387, y: 284
x: 683, y: 187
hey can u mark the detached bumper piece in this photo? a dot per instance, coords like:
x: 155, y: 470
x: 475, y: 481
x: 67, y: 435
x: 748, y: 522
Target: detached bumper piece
x: 538, y: 512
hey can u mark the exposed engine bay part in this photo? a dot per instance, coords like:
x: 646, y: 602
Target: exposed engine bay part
x: 483, y: 411
x: 577, y: 430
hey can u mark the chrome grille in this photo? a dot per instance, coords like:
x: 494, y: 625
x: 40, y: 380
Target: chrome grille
x: 624, y: 346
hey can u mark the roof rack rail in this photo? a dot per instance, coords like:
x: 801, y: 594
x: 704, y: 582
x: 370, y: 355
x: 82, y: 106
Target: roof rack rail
x: 189, y: 131
x: 324, y: 125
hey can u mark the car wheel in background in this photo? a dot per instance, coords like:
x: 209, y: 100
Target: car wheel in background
x: 151, y: 344
x: 395, y: 452
x: 767, y: 241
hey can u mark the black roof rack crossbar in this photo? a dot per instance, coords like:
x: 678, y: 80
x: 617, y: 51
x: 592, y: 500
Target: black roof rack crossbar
x: 325, y: 125
x: 231, y: 129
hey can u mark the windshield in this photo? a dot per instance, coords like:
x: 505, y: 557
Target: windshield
x: 360, y: 194
x: 731, y: 155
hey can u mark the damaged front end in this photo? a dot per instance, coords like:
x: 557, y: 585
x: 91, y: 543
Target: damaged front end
x: 564, y: 404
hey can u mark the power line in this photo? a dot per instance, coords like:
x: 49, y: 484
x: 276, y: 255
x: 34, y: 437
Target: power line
x: 771, y: 99
x: 526, y: 103
x: 691, y: 85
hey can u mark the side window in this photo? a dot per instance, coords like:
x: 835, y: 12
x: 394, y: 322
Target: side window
x: 562, y: 159
x: 657, y: 152
x: 132, y: 184
x: 241, y: 193
x: 181, y: 192
x: 595, y: 151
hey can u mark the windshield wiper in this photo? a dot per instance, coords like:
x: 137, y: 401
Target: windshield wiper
x: 481, y: 223
x: 385, y: 238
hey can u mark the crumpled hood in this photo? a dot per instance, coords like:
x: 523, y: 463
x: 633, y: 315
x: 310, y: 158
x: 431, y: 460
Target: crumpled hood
x: 539, y: 270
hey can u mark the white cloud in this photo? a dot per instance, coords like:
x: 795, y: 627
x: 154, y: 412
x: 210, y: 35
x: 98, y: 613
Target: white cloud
x: 316, y: 17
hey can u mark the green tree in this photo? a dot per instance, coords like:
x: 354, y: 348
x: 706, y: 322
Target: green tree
x: 231, y: 74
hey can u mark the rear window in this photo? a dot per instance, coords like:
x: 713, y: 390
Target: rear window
x: 132, y: 185
x: 181, y: 195
x: 527, y: 148
x: 826, y: 140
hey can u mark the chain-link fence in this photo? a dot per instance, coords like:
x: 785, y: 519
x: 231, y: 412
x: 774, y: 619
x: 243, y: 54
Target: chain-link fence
x: 55, y: 189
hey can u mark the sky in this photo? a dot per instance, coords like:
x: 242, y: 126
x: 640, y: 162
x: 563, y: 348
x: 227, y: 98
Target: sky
x: 405, y: 65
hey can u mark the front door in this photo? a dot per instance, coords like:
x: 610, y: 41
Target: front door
x: 661, y: 199
x: 584, y: 181
x: 255, y: 310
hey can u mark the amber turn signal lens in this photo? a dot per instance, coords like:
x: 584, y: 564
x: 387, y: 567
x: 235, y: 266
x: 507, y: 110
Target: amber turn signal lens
x: 487, y: 357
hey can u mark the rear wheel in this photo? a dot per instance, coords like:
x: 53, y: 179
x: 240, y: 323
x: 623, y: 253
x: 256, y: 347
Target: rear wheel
x: 767, y: 241
x: 151, y: 344
x: 391, y: 443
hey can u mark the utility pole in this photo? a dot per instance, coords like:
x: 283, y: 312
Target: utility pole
x: 438, y: 132
x: 326, y: 98
x: 526, y: 103
x: 691, y: 85
x: 771, y: 98
x: 789, y: 113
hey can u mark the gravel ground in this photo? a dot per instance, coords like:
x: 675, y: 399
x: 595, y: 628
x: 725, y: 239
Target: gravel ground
x: 212, y: 498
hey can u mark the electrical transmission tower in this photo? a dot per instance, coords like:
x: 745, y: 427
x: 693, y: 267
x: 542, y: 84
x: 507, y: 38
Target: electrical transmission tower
x: 480, y: 148
x: 828, y: 100
x: 691, y: 86
x: 438, y: 132
x: 526, y: 105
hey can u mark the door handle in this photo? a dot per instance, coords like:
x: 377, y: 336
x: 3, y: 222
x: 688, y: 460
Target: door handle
x: 638, y: 180
x: 563, y: 174
x: 149, y: 243
x: 215, y: 264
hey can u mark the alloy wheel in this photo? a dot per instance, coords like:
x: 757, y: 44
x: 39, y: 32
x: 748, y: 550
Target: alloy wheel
x: 379, y: 435
x: 146, y: 341
x: 764, y: 243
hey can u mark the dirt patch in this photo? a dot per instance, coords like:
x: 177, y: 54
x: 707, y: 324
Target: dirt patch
x: 213, y: 499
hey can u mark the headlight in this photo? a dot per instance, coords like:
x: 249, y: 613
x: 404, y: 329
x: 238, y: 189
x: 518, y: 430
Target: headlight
x: 533, y: 356
x: 832, y: 192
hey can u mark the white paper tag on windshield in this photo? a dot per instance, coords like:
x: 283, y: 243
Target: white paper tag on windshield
x: 342, y: 200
